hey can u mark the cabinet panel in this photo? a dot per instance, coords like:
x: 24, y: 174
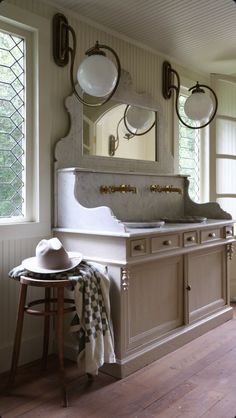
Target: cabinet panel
x: 155, y: 300
x: 206, y: 273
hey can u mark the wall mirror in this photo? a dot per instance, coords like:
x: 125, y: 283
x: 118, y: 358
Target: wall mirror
x: 98, y: 138
x: 120, y: 131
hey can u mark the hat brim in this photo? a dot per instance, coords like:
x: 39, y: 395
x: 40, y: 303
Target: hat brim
x: 31, y: 264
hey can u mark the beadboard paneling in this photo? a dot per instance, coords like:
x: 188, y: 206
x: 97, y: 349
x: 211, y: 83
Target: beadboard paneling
x: 196, y: 33
x: 12, y: 252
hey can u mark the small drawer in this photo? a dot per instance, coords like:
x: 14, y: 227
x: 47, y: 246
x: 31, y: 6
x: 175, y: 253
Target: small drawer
x: 210, y: 235
x: 138, y: 247
x: 165, y: 242
x: 190, y: 238
x: 229, y: 232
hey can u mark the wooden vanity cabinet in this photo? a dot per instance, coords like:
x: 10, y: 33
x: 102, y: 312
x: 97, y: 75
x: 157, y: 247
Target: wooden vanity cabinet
x: 167, y: 286
x: 164, y: 295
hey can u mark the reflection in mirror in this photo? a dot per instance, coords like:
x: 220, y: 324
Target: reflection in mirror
x: 120, y: 130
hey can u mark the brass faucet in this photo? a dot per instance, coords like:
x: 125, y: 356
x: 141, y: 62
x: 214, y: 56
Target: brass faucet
x: 165, y: 189
x: 122, y: 188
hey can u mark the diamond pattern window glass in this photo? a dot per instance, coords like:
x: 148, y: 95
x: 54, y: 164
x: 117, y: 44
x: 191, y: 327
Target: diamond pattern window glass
x: 189, y: 153
x: 12, y: 125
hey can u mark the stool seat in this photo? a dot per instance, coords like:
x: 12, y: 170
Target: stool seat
x: 57, y: 311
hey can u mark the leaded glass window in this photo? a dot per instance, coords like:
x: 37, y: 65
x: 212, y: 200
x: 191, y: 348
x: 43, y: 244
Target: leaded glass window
x: 189, y: 152
x: 12, y: 125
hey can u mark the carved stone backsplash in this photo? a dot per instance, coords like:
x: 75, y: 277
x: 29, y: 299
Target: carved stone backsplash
x: 98, y: 200
x: 143, y: 205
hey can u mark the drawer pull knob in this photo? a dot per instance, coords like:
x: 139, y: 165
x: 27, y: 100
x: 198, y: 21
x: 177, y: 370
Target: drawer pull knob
x: 191, y: 239
x: 167, y: 242
x: 229, y: 232
x: 188, y: 287
x: 212, y: 235
x: 139, y: 247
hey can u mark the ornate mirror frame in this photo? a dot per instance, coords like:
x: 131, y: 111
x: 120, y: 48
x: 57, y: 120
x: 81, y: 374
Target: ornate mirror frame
x: 69, y: 150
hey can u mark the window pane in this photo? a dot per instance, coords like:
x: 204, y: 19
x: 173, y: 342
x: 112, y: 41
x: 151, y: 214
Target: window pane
x: 227, y: 93
x: 225, y: 137
x: 229, y: 205
x: 189, y: 153
x: 12, y: 125
x: 225, y: 176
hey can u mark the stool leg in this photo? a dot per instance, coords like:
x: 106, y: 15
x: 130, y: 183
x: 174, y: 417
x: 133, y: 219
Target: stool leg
x: 60, y: 341
x: 46, y: 328
x: 18, y: 334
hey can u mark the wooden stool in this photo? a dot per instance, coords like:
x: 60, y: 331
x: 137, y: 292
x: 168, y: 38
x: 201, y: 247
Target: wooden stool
x: 58, y: 311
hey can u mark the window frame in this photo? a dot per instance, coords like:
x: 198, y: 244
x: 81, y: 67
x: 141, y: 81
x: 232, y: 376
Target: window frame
x: 215, y: 154
x: 29, y: 121
x: 38, y: 220
x: 204, y: 182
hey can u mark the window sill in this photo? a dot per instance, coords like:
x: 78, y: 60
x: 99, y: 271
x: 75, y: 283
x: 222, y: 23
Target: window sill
x: 21, y: 230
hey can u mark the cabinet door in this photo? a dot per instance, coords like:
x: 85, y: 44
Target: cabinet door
x: 154, y: 300
x: 205, y: 282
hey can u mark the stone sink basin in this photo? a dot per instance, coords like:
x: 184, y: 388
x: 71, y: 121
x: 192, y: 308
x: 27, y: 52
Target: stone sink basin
x: 160, y: 223
x: 145, y: 224
x: 185, y: 219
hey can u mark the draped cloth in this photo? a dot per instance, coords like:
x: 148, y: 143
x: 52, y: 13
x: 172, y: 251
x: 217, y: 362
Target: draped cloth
x: 91, y: 324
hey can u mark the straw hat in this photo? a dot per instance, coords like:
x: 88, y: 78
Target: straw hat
x: 51, y: 257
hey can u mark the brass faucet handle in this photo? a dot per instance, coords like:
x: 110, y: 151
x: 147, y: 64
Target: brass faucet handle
x: 155, y: 188
x: 165, y: 189
x: 122, y: 188
x: 104, y: 189
x: 126, y: 188
x: 131, y: 189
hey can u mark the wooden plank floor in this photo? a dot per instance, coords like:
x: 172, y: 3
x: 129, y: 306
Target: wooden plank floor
x: 197, y: 380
